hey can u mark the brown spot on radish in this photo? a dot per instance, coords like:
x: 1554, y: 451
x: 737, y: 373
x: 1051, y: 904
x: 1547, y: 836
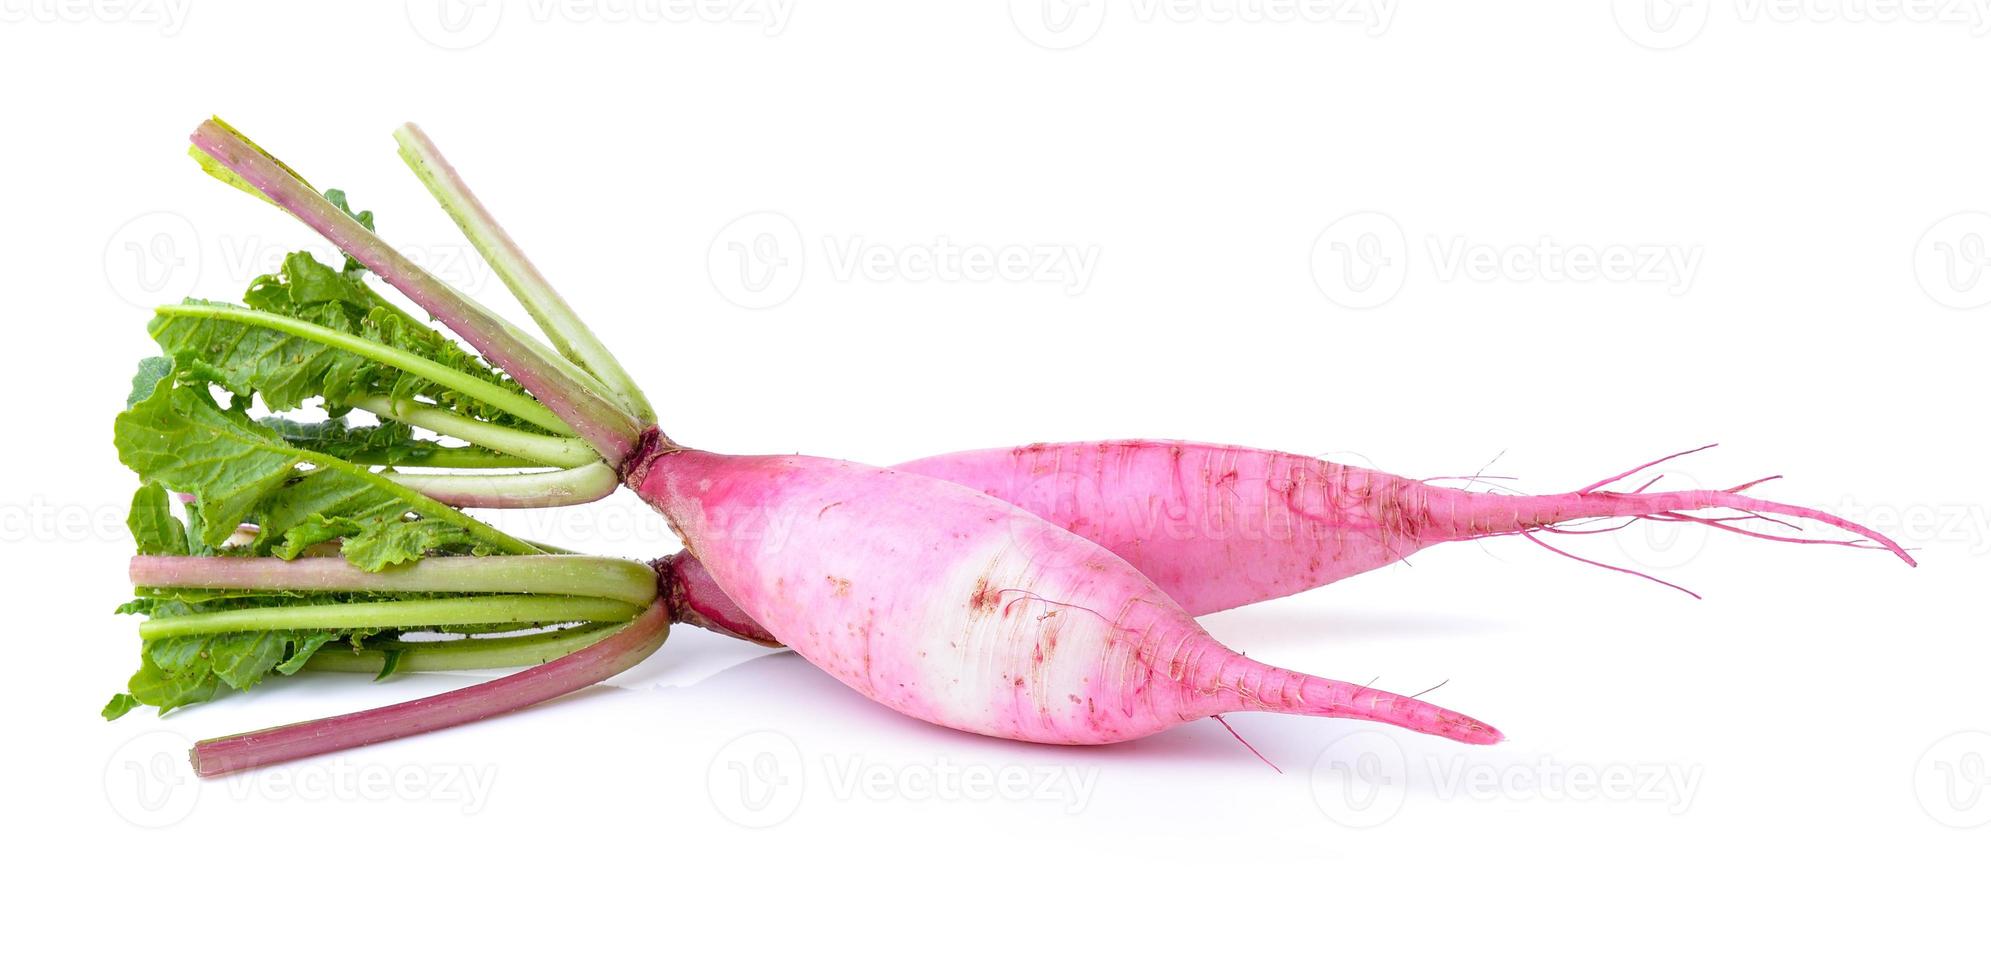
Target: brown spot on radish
x: 985, y: 597
x: 839, y: 587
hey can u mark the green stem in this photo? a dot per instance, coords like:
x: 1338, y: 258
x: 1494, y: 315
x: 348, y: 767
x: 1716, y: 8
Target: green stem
x: 572, y: 575
x: 592, y: 664
x: 473, y: 653
x: 395, y: 614
x: 550, y: 450
x: 562, y: 325
x: 557, y: 384
x: 421, y: 367
x: 444, y: 457
x: 514, y: 491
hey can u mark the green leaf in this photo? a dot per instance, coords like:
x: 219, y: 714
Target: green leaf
x: 151, y: 371
x: 179, y: 438
x: 118, y: 706
x: 389, y: 443
x: 166, y: 690
x: 365, y: 218
x: 153, y: 525
x: 285, y: 369
x: 240, y: 473
x: 386, y: 543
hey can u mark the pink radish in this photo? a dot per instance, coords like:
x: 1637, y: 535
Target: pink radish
x: 952, y: 606
x: 1219, y: 526
x: 927, y: 596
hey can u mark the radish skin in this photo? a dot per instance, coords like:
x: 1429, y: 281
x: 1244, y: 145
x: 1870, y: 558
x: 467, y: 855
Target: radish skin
x: 960, y: 609
x: 1219, y: 526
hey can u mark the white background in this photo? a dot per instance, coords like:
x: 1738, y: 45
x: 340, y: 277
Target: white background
x: 1770, y: 778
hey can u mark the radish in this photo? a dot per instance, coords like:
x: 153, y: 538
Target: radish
x: 928, y: 596
x: 1223, y: 526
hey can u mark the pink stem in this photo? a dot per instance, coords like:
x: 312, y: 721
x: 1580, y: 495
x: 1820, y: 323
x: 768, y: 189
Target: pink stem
x: 586, y: 666
x: 605, y: 427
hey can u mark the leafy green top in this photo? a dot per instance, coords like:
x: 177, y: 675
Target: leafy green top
x: 286, y: 370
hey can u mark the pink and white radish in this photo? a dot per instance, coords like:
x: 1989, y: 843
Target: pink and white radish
x: 1218, y: 526
x: 949, y: 605
x: 934, y: 597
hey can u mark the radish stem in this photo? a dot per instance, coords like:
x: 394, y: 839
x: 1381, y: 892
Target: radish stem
x: 562, y: 325
x: 612, y: 431
x: 569, y: 575
x: 470, y: 653
x: 597, y: 662
x: 394, y: 614
x: 511, y: 491
x: 549, y: 450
